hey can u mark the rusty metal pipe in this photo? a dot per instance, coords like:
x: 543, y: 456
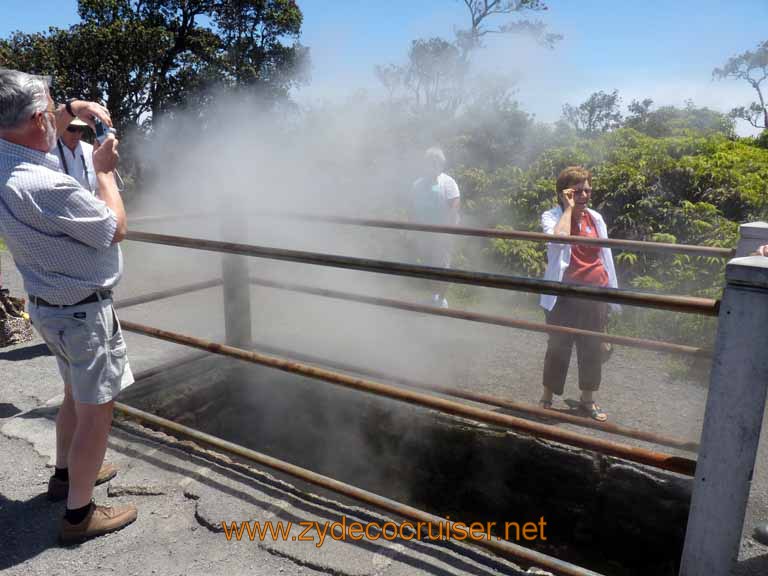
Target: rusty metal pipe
x: 637, y: 245
x: 640, y: 455
x: 474, y: 397
x: 169, y: 365
x: 481, y: 398
x: 171, y: 217
x: 687, y: 304
x: 655, y: 345
x: 525, y: 408
x: 617, y: 243
x: 501, y: 547
x: 171, y: 292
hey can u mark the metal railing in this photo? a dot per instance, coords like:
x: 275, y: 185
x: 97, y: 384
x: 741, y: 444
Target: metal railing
x: 504, y: 234
x: 642, y: 343
x: 659, y: 460
x: 520, y: 407
x: 686, y: 304
x: 691, y: 305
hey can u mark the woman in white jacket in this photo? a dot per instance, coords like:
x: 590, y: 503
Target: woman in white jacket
x: 577, y: 264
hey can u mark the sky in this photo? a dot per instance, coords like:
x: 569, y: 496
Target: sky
x: 659, y: 49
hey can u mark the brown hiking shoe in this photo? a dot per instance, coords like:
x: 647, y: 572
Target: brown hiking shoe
x: 58, y: 489
x: 100, y: 520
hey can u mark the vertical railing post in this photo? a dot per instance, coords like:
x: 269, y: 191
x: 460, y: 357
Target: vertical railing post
x: 237, y: 288
x: 732, y: 421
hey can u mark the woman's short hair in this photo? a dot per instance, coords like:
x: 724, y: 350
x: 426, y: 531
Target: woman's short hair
x: 571, y: 176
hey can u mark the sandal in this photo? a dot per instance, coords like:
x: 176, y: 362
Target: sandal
x: 593, y: 410
x: 546, y: 404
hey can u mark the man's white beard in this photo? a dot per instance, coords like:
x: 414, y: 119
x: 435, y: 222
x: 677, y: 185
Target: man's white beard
x: 50, y: 135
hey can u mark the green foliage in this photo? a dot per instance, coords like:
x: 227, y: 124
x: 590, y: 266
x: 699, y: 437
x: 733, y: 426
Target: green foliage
x: 148, y: 59
x: 145, y: 58
x: 521, y: 257
x: 487, y: 196
x: 492, y: 131
x: 639, y: 181
x: 691, y: 189
x: 672, y: 121
x: 762, y: 140
x: 597, y: 114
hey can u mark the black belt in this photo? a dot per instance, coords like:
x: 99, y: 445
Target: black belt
x: 95, y: 297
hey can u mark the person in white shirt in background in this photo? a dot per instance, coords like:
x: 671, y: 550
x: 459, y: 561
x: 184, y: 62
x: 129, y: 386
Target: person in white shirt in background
x: 436, y: 200
x: 76, y: 156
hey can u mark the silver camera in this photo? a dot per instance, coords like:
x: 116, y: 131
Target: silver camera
x: 102, y: 130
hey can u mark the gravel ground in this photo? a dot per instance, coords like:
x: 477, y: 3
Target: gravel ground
x: 638, y: 390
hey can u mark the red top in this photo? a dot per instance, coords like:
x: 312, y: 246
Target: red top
x: 585, y: 267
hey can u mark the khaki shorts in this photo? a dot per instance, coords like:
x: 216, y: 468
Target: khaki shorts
x: 88, y: 345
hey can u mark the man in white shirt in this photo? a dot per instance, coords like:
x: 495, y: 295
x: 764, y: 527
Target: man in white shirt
x: 436, y: 200
x: 75, y: 156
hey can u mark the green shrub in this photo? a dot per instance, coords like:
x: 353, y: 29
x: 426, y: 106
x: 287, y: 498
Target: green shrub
x: 689, y: 189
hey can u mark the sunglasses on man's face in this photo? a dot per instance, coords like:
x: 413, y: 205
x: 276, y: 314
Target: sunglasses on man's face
x: 74, y: 129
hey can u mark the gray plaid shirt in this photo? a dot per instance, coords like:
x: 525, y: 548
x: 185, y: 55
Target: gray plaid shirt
x: 59, y: 234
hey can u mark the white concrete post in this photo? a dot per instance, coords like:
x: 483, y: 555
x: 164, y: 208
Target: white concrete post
x: 732, y: 422
x: 751, y: 236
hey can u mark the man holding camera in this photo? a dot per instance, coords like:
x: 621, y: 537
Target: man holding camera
x: 64, y: 240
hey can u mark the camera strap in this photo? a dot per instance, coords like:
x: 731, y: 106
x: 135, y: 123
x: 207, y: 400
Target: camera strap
x: 61, y: 155
x: 85, y: 169
x: 66, y: 167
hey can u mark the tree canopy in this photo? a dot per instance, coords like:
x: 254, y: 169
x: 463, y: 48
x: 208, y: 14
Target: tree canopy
x: 434, y: 79
x: 145, y: 57
x: 674, y: 121
x: 597, y: 114
x: 751, y: 66
x: 496, y: 17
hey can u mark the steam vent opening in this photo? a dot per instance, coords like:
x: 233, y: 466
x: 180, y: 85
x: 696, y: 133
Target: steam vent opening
x: 607, y: 515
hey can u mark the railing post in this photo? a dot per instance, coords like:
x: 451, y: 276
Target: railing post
x: 751, y: 236
x: 237, y: 287
x: 732, y: 422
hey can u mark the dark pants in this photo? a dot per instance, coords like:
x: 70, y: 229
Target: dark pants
x: 575, y: 313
